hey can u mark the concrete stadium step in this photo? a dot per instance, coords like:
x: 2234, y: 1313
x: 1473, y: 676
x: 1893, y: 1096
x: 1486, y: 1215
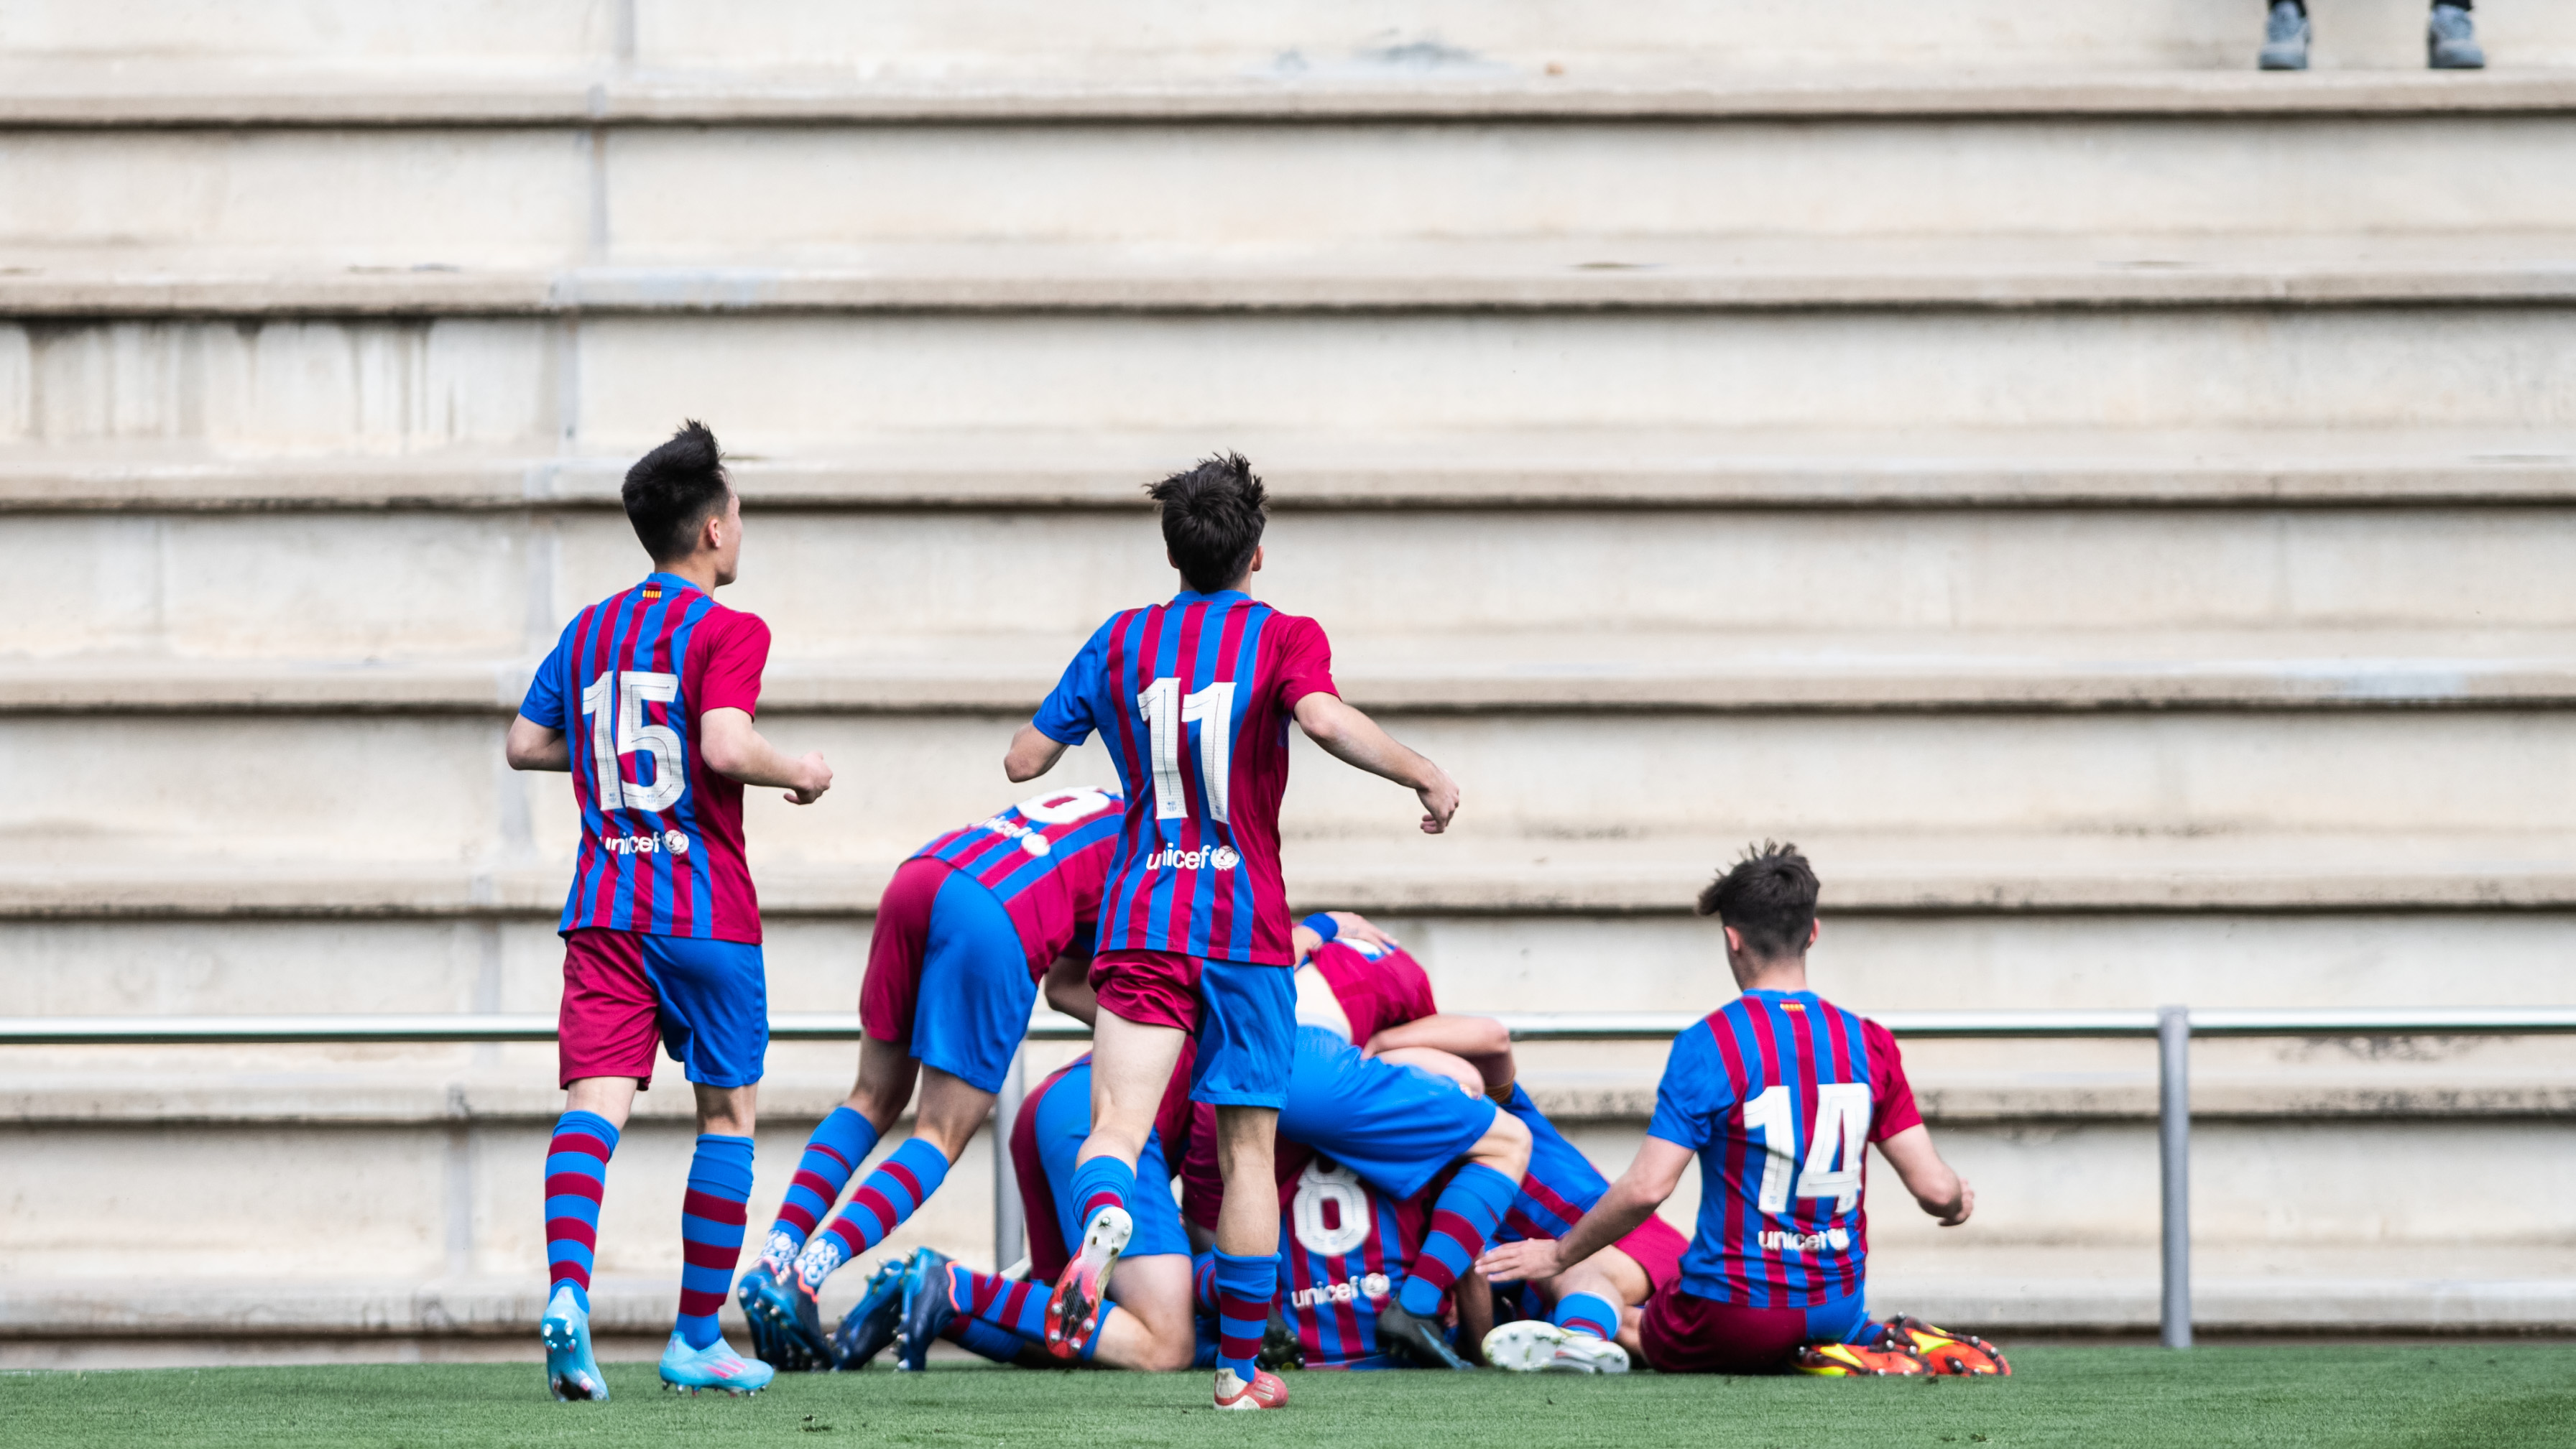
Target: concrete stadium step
x: 1936, y: 871
x: 431, y: 790
x: 1518, y: 468
x: 763, y: 174
x: 1573, y: 273
x: 820, y: 384
x: 1319, y: 38
x: 1946, y: 670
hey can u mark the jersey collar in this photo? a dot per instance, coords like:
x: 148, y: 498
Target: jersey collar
x: 668, y: 582
x: 1193, y: 596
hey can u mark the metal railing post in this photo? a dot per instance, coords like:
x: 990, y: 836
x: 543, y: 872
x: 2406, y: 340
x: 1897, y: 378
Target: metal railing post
x: 2173, y: 1141
x: 1010, y: 1225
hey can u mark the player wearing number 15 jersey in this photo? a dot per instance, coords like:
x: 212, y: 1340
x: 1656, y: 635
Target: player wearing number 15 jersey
x: 1194, y: 698
x: 647, y: 700
x: 1779, y: 1094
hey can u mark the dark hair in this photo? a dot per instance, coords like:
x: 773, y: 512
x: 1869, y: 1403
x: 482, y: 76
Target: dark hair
x: 1212, y: 519
x: 672, y: 491
x: 1769, y: 897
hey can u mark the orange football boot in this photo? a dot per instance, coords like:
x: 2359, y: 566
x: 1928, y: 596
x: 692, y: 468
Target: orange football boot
x: 1945, y: 1352
x: 1858, y: 1360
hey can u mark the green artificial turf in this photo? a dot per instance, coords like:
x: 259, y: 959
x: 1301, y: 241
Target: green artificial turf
x: 2516, y: 1395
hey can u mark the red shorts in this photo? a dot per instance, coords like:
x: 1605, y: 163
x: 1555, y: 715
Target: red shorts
x: 1657, y: 1246
x: 1149, y: 988
x: 892, y: 986
x: 1684, y: 1333
x: 704, y: 1001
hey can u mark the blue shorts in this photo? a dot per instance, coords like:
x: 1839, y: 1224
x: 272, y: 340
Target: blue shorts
x: 707, y: 1001
x: 1247, y: 1021
x: 1397, y: 1127
x: 1064, y: 1120
x: 948, y: 978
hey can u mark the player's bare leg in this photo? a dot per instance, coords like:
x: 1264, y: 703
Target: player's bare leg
x: 1598, y: 1337
x: 1156, y: 1331
x: 1131, y: 1068
x: 1247, y: 1226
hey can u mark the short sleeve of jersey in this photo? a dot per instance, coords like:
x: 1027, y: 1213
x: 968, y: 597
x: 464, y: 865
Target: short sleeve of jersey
x: 735, y: 658
x: 1693, y: 1097
x: 1893, y: 1096
x: 545, y: 699
x: 1305, y: 662
x: 1066, y: 717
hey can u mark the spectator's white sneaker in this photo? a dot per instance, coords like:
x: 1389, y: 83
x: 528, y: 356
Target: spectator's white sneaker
x: 2451, y: 40
x: 2285, y: 38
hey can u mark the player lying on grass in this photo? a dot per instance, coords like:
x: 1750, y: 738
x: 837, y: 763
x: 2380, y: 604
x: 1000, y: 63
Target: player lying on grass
x: 1147, y: 1321
x: 1778, y: 1093
x: 647, y: 700
x: 1361, y: 978
x: 1194, y: 698
x: 963, y: 933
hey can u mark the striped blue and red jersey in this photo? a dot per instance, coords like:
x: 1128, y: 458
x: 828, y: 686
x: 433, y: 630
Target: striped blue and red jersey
x: 1560, y: 1186
x: 1046, y: 860
x: 1343, y: 1250
x: 661, y: 834
x: 1781, y: 1093
x: 1356, y: 989
x: 1193, y: 699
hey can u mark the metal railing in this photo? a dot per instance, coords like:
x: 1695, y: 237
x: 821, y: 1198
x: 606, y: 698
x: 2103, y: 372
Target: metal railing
x: 2171, y: 1027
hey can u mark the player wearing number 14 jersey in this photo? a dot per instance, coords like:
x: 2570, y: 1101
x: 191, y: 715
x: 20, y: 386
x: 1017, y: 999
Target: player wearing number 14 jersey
x: 1779, y: 1094
x: 647, y: 701
x: 1194, y: 698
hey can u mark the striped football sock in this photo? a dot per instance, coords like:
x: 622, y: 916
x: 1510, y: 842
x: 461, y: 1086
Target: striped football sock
x: 1586, y: 1313
x: 1100, y: 1182
x: 883, y: 1199
x: 712, y: 1218
x: 1244, y: 1290
x: 1014, y: 1307
x: 834, y: 1152
x: 978, y: 1337
x: 1461, y: 1220
x: 576, y: 1171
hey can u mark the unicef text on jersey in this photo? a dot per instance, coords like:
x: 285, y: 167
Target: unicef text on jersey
x: 1215, y: 857
x: 669, y: 840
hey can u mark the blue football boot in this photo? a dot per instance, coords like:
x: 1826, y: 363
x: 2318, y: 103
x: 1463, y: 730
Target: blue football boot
x: 715, y: 1366
x: 927, y: 1306
x: 570, y: 1370
x: 786, y: 1321
x: 868, y: 1328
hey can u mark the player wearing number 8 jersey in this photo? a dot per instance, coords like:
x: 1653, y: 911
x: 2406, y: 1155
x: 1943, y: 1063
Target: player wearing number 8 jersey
x: 647, y: 701
x: 1193, y: 699
x: 1779, y: 1094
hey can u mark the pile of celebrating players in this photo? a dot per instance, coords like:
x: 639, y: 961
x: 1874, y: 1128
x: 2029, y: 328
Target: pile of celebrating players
x: 1279, y: 1152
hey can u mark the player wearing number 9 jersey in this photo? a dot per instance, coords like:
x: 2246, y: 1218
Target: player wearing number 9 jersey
x: 1194, y: 698
x: 647, y: 701
x: 1779, y: 1094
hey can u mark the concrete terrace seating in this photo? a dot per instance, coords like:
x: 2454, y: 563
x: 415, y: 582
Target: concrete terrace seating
x: 2112, y: 507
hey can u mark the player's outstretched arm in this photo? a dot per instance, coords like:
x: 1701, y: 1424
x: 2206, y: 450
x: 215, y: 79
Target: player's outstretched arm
x: 532, y: 746
x: 733, y: 749
x: 1639, y: 1191
x: 1480, y: 1040
x: 1032, y: 754
x: 1354, y: 739
x: 1937, y: 1189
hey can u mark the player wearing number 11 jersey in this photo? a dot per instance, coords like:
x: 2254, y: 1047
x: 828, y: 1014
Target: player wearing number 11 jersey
x: 647, y: 700
x: 1194, y: 698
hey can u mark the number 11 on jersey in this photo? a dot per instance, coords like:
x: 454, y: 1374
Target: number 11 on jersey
x: 1167, y: 711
